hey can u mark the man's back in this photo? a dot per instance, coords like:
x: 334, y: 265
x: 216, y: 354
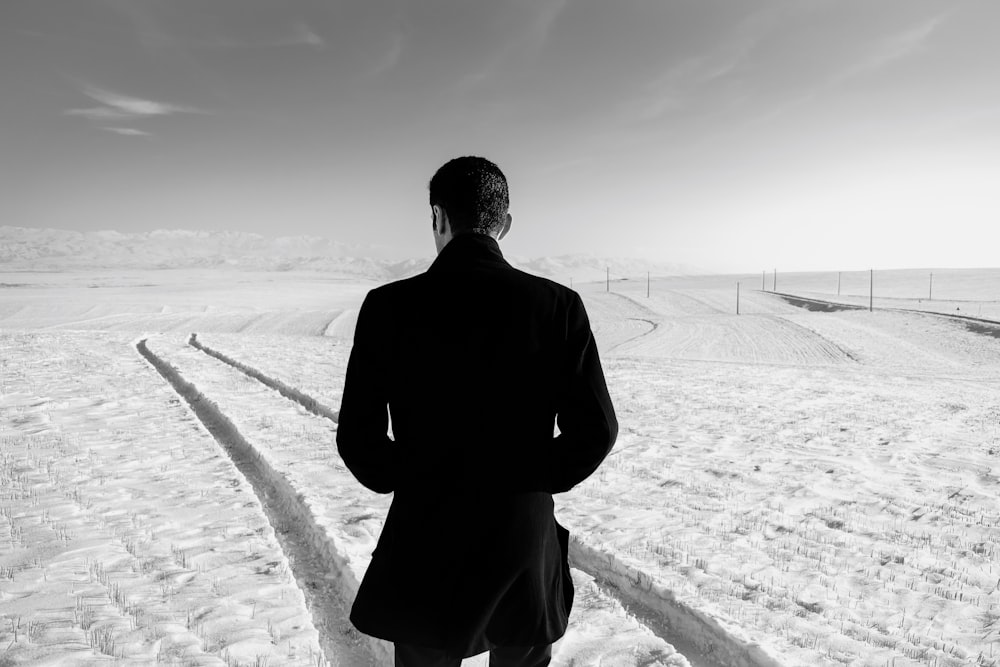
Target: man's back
x: 475, y: 360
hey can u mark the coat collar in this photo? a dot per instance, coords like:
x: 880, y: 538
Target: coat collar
x: 467, y: 250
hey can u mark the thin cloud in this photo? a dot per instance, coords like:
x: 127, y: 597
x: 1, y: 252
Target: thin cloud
x: 100, y: 113
x: 118, y: 107
x: 892, y: 48
x: 539, y: 30
x: 302, y: 35
x: 127, y: 131
x: 880, y: 54
x: 525, y: 45
x: 683, y: 82
x: 671, y: 90
x: 148, y: 29
x: 134, y: 106
x: 299, y: 34
x: 391, y: 56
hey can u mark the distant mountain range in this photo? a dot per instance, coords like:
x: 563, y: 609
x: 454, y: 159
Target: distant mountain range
x: 23, y: 248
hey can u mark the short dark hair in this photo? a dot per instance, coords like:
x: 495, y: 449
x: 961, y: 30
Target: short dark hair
x: 473, y: 192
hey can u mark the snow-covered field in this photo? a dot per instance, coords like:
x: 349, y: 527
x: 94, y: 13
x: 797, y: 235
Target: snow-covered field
x: 128, y: 534
x: 789, y: 487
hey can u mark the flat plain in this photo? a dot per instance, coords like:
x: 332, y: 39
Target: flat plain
x: 792, y: 485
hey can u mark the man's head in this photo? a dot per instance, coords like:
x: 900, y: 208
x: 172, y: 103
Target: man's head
x: 468, y: 195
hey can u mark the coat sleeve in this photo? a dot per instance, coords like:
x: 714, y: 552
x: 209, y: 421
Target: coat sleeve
x: 585, y: 416
x: 362, y: 429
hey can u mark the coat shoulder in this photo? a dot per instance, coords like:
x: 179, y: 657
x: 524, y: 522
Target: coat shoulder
x: 541, y: 287
x: 544, y: 287
x: 390, y: 292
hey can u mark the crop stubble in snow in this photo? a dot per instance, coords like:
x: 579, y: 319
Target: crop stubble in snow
x: 317, y: 569
x: 347, y: 517
x: 832, y: 507
x: 830, y: 500
x: 127, y: 534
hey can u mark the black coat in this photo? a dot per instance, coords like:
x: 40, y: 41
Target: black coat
x: 476, y: 361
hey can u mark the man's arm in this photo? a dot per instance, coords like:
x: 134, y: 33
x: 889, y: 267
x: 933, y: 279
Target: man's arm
x: 587, y: 423
x: 362, y: 429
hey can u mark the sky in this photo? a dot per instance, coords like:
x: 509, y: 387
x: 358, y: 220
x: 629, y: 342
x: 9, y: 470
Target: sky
x: 732, y: 136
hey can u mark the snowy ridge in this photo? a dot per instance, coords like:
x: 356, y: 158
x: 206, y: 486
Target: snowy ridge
x: 588, y: 268
x: 23, y: 248
x: 56, y: 250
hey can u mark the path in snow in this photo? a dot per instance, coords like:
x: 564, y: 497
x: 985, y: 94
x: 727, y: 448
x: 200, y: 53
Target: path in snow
x: 745, y: 338
x: 834, y: 511
x: 601, y: 632
x: 310, y: 565
x: 908, y: 342
x: 679, y: 624
x: 692, y: 324
x: 291, y: 393
x: 735, y: 486
x: 987, y: 308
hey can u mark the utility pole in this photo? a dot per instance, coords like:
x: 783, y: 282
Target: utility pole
x: 871, y: 290
x: 737, y: 298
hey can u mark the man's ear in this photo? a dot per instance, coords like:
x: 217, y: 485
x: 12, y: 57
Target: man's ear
x: 505, y: 228
x: 440, y: 219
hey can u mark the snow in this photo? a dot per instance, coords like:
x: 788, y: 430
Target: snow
x: 789, y: 487
x: 127, y: 532
x: 297, y: 444
x: 293, y: 302
x: 57, y: 250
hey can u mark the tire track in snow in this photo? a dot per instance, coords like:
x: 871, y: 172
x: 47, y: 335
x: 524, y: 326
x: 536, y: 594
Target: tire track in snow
x: 847, y: 353
x: 311, y: 554
x: 736, y: 338
x: 977, y: 325
x: 700, y: 638
x: 810, y: 303
x: 341, y: 326
x: 772, y: 338
x: 330, y: 323
x: 635, y: 312
x: 653, y: 326
x: 289, y: 392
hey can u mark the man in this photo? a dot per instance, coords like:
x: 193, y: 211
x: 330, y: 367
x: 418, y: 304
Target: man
x: 475, y: 361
